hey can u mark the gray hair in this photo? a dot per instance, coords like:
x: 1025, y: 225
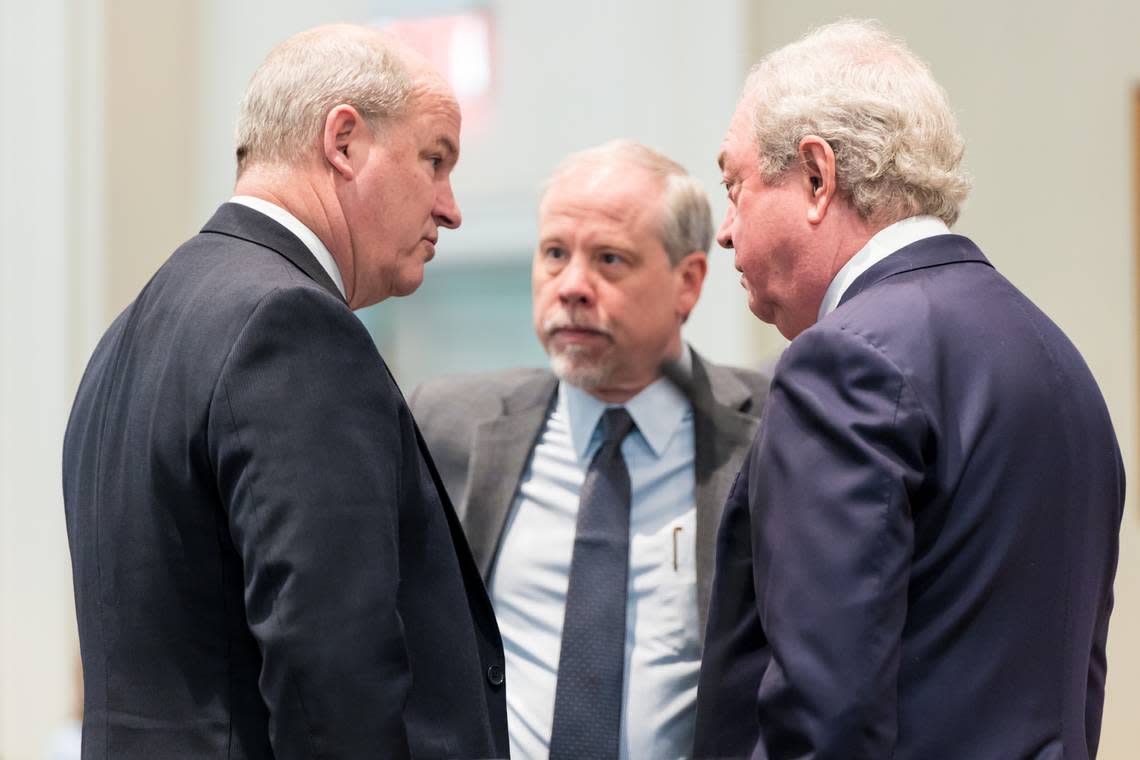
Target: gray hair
x: 686, y: 220
x: 897, y: 148
x: 283, y: 111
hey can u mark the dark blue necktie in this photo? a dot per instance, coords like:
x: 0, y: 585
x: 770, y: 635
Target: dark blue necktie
x: 591, y: 664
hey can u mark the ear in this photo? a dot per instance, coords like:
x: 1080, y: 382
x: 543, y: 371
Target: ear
x: 817, y: 162
x: 689, y: 277
x: 342, y: 138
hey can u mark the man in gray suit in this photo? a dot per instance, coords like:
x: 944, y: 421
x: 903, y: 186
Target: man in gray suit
x: 623, y: 235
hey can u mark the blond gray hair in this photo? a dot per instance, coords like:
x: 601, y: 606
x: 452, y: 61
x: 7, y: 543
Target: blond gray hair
x: 897, y: 148
x: 283, y: 111
x: 685, y: 223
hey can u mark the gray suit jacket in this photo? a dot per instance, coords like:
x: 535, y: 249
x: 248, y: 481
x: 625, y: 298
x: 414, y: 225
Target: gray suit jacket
x: 481, y: 430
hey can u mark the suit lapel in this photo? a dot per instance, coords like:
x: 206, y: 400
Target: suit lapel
x: 722, y: 434
x: 499, y: 454
x: 242, y: 222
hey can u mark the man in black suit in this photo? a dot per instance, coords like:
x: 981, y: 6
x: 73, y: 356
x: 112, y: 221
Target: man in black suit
x: 265, y: 561
x: 917, y: 558
x: 618, y: 267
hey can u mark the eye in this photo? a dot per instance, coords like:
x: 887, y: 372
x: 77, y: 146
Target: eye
x: 554, y: 252
x: 610, y: 258
x: 436, y: 162
x: 729, y: 188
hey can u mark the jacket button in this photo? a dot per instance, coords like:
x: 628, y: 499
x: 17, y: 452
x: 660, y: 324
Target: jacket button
x: 495, y: 675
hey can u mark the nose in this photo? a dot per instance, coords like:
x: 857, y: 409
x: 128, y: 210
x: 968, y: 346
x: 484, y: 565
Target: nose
x: 575, y: 285
x: 724, y: 234
x: 446, y: 210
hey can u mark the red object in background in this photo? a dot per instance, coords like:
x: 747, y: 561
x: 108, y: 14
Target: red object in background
x: 461, y: 47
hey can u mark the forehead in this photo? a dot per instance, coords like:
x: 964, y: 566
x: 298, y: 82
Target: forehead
x: 738, y: 145
x: 614, y: 196
x: 433, y: 113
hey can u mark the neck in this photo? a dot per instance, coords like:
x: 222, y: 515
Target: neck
x: 314, y: 205
x: 622, y: 390
x: 851, y: 237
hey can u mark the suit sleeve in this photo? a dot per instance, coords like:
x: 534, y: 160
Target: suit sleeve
x: 830, y: 500
x: 306, y: 442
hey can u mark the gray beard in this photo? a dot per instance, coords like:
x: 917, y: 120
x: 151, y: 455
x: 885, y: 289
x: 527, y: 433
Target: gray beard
x: 570, y: 366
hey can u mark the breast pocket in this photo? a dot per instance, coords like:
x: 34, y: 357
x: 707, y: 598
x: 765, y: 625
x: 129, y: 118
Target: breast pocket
x: 667, y: 597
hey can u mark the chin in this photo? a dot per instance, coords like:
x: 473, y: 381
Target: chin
x: 405, y: 286
x: 582, y: 374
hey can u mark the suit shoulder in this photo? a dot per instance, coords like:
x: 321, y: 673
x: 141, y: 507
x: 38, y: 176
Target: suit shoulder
x: 238, y: 267
x: 474, y: 390
x: 733, y: 384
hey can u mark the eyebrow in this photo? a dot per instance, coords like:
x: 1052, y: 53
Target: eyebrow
x: 720, y: 160
x: 447, y: 145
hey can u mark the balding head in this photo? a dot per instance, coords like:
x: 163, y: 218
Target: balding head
x: 283, y: 111
x: 684, y: 218
x: 355, y: 135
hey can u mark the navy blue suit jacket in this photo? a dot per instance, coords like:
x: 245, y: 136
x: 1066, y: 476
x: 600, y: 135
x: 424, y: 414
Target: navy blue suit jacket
x: 265, y: 561
x: 916, y: 560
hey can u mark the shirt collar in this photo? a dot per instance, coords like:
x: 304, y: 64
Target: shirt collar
x: 884, y: 242
x: 297, y: 227
x: 657, y: 410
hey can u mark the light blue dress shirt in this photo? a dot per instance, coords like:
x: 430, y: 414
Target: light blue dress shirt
x: 531, y: 573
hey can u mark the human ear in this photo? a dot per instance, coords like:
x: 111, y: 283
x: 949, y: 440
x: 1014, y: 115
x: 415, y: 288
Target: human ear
x: 817, y: 163
x: 690, y: 277
x: 343, y: 130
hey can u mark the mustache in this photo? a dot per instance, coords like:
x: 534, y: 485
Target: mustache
x: 564, y: 320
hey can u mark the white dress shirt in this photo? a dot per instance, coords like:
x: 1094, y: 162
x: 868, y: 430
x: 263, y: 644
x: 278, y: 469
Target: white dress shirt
x: 294, y: 225
x: 531, y: 573
x: 885, y: 242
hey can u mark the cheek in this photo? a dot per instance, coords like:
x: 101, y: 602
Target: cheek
x: 542, y: 297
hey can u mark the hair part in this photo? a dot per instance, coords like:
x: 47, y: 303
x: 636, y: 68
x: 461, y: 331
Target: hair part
x: 685, y: 224
x: 282, y: 113
x: 898, y: 151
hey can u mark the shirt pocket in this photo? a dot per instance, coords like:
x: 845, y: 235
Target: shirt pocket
x: 670, y: 601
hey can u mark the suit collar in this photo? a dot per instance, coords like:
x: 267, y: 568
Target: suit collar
x: 936, y: 251
x: 242, y: 222
x: 500, y: 452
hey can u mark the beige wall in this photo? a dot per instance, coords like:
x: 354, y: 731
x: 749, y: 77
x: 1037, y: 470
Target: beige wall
x: 152, y: 61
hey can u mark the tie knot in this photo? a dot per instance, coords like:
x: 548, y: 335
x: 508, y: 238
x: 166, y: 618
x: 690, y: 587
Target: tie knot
x: 616, y: 424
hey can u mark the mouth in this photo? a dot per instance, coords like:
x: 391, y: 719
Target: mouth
x: 430, y: 247
x: 578, y: 334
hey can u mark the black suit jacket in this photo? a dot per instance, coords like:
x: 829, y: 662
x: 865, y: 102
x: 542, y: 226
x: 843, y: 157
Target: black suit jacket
x: 265, y: 561
x: 483, y: 428
x: 916, y: 561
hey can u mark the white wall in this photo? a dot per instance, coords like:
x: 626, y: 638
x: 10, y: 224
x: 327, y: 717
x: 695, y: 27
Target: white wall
x: 50, y: 300
x: 1043, y: 94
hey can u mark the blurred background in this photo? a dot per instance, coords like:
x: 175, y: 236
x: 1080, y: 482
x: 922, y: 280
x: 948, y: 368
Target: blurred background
x: 116, y: 123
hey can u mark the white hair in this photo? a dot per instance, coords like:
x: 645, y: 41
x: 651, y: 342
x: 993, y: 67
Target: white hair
x: 685, y: 223
x: 897, y: 148
x: 283, y: 111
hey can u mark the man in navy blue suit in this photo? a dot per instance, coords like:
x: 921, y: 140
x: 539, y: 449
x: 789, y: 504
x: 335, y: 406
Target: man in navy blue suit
x: 266, y: 562
x: 916, y: 560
